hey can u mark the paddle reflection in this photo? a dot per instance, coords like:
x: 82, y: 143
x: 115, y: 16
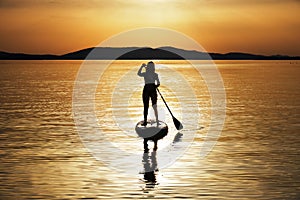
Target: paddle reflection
x: 177, y: 138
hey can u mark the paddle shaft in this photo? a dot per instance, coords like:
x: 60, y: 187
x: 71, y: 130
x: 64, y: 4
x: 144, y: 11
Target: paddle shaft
x: 164, y: 102
x: 177, y: 123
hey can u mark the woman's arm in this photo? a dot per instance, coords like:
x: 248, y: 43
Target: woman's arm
x: 140, y: 73
x: 157, y: 81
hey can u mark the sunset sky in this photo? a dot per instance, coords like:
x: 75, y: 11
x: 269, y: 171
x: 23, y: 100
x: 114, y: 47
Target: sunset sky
x: 57, y: 27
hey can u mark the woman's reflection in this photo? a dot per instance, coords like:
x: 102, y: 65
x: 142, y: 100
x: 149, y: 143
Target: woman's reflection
x: 150, y: 169
x: 150, y: 166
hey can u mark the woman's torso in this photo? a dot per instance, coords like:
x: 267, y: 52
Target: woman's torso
x: 150, y: 78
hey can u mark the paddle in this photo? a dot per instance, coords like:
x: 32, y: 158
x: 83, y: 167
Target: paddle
x: 176, y: 122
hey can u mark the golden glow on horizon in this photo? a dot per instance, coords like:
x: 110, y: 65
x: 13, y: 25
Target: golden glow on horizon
x: 263, y: 27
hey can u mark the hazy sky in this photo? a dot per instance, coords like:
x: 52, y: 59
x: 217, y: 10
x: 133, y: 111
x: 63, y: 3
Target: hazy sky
x: 55, y: 26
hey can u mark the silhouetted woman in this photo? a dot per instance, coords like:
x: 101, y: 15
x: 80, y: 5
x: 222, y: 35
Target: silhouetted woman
x: 149, y: 91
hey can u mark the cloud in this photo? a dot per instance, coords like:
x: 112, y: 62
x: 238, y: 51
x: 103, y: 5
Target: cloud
x: 52, y: 3
x: 103, y: 4
x: 238, y: 2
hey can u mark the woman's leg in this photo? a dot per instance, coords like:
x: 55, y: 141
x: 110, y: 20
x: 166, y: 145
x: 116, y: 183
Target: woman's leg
x: 154, y: 104
x: 155, y: 112
x: 146, y: 105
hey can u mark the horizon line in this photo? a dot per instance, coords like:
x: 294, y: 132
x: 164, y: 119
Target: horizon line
x: 140, y: 47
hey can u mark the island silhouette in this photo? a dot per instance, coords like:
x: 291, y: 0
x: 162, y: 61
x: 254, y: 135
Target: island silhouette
x: 142, y: 53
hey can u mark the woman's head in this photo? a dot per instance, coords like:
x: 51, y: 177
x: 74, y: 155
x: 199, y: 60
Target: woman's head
x: 150, y: 67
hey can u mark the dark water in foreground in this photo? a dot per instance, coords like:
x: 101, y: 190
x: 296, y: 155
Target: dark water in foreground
x: 256, y: 157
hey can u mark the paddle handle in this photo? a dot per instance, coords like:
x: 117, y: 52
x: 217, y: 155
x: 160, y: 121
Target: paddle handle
x: 164, y: 102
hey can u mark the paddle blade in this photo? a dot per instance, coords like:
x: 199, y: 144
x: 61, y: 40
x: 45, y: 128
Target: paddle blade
x: 177, y: 124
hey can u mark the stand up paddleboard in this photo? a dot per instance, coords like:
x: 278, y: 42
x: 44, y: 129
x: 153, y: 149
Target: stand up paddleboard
x: 151, y: 131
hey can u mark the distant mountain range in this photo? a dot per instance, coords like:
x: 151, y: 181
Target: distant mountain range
x: 142, y: 53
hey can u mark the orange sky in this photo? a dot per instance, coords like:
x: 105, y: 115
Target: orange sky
x: 57, y: 27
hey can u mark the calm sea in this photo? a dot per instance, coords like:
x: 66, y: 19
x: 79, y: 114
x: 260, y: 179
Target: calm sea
x: 42, y: 155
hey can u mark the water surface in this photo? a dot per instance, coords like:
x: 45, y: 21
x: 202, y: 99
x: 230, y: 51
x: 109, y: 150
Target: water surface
x: 256, y: 157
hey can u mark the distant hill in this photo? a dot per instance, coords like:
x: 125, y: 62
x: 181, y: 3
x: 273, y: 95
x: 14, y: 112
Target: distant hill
x: 23, y: 56
x: 141, y: 53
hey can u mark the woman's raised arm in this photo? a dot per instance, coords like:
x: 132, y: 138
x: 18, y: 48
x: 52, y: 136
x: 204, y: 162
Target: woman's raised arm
x: 140, y: 73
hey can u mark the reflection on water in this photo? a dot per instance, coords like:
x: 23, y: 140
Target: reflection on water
x: 150, y: 167
x: 256, y: 157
